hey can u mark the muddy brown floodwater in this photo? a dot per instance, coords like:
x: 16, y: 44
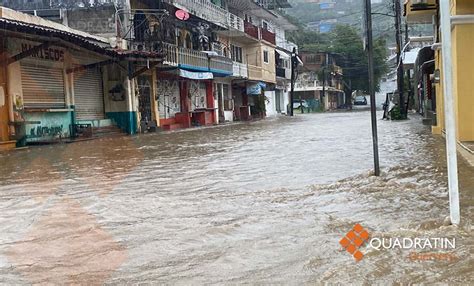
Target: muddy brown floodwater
x: 261, y: 202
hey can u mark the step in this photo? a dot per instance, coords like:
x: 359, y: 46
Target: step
x: 7, y: 145
x: 169, y: 127
x: 97, y: 123
x: 106, y: 131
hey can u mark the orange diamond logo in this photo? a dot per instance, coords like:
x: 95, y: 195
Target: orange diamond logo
x: 353, y: 240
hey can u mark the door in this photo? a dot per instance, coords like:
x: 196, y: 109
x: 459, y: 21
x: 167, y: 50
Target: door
x: 144, y: 98
x: 168, y: 98
x: 89, y: 95
x: 278, y: 100
x: 42, y: 87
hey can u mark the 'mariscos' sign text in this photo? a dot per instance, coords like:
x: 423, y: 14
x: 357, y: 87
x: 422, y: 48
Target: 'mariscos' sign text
x: 50, y: 54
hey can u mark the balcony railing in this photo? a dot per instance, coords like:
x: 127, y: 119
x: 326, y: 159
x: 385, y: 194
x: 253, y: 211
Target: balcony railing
x: 251, y: 30
x: 235, y: 22
x: 171, y: 54
x: 259, y: 33
x: 203, y: 9
x: 240, y: 70
x: 268, y: 36
x: 221, y: 63
x: 286, y: 45
x: 175, y: 56
x: 190, y: 57
x: 255, y: 72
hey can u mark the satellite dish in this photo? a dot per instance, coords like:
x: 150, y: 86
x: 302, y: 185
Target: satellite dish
x: 182, y: 15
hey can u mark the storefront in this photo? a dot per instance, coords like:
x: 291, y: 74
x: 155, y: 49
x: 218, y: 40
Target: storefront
x: 185, y: 99
x: 38, y: 85
x: 88, y: 89
x: 56, y: 79
x: 168, y: 99
x: 223, y: 100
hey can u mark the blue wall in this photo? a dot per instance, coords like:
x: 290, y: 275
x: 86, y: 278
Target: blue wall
x: 125, y: 120
x: 50, y: 125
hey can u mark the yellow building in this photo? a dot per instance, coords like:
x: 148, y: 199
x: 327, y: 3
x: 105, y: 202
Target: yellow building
x: 463, y: 61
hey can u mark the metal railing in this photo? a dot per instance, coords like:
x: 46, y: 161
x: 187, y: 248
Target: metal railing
x: 235, y: 22
x: 221, y: 63
x: 204, y: 9
x: 268, y: 36
x: 192, y: 58
x: 178, y: 55
x: 171, y: 54
x: 251, y: 30
x: 286, y: 45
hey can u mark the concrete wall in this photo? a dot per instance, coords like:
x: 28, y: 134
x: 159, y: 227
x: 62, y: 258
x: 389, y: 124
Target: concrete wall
x: 463, y: 61
x: 270, y: 104
x: 120, y: 106
x: 255, y: 58
x: 462, y: 43
x: 98, y: 20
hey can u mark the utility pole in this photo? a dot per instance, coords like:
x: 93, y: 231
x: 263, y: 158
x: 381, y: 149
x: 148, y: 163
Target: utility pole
x: 294, y: 65
x: 410, y: 91
x: 324, y: 84
x: 450, y: 120
x: 398, y: 39
x: 370, y: 51
x: 326, y: 62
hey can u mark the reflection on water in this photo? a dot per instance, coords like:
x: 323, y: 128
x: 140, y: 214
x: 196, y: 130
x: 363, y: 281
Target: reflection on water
x: 263, y: 202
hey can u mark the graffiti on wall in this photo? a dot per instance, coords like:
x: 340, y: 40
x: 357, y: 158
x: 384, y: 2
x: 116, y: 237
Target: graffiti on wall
x: 46, y: 131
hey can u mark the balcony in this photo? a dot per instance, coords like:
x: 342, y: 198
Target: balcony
x: 286, y: 45
x: 203, y: 9
x: 419, y: 11
x: 251, y: 30
x: 235, y: 22
x: 240, y: 70
x: 268, y: 36
x: 196, y: 60
x: 220, y: 64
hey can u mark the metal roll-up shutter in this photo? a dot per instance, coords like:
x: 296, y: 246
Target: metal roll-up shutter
x: 89, y: 95
x: 42, y: 87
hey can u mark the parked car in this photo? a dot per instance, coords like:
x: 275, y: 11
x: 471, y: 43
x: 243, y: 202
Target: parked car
x: 360, y: 100
x: 297, y: 103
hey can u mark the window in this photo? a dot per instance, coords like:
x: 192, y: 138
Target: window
x: 265, y: 57
x: 311, y: 59
x: 236, y: 53
x: 248, y: 18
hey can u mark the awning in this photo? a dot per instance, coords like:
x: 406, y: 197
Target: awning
x: 195, y: 75
x: 255, y: 88
x: 283, y: 55
x: 409, y: 58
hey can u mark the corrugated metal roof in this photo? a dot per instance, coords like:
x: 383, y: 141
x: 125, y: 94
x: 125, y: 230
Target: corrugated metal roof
x: 78, y: 39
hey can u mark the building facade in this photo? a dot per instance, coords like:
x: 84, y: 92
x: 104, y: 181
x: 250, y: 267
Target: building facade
x: 319, y: 82
x: 151, y: 64
x: 426, y: 12
x: 58, y: 83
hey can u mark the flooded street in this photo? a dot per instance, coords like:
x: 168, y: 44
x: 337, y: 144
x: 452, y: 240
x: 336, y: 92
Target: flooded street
x: 261, y: 202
